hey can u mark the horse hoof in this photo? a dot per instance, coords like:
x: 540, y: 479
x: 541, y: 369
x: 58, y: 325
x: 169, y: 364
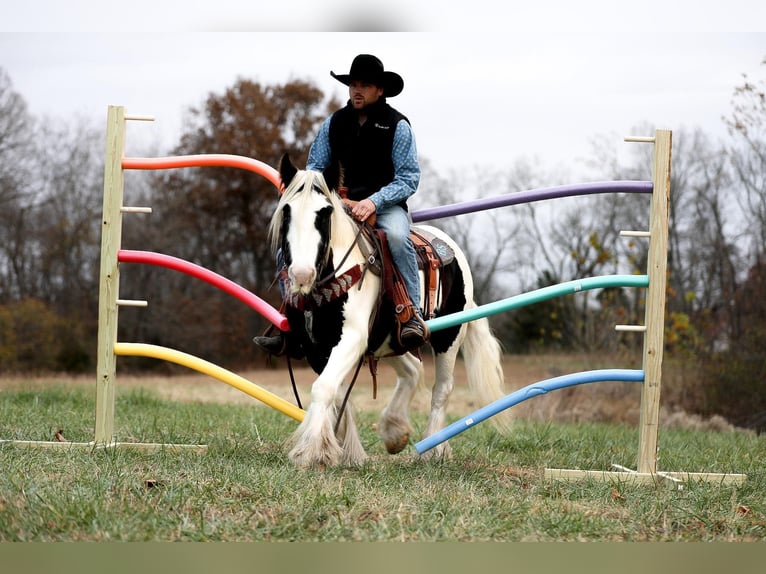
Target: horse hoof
x: 398, y: 446
x: 310, y: 465
x: 305, y: 461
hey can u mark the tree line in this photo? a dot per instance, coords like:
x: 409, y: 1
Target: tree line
x: 51, y: 185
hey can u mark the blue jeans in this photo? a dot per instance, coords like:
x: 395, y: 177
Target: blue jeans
x: 395, y: 221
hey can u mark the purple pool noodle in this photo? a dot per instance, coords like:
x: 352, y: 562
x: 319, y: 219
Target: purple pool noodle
x: 532, y: 196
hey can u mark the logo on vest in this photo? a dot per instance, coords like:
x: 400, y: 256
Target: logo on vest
x: 382, y: 127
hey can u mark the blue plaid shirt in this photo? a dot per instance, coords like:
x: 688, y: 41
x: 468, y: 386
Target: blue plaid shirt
x: 404, y: 156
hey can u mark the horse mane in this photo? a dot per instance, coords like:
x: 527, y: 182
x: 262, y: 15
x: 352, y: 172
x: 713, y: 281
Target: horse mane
x: 343, y: 225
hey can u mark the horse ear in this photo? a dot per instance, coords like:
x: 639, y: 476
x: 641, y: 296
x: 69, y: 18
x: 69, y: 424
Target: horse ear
x: 333, y: 175
x: 287, y: 170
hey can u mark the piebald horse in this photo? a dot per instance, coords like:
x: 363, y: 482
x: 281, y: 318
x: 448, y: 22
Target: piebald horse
x: 332, y: 305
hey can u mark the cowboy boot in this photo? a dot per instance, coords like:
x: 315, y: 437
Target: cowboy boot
x: 414, y: 333
x: 275, y: 345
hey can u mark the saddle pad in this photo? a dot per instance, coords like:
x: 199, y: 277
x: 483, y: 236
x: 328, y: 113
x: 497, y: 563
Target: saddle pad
x: 444, y: 251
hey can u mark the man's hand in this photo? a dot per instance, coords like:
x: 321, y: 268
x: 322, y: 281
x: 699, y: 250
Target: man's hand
x: 363, y: 209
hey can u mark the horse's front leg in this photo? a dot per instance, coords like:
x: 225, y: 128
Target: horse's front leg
x: 315, y: 443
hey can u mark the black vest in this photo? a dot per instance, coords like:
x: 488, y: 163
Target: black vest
x: 365, y: 151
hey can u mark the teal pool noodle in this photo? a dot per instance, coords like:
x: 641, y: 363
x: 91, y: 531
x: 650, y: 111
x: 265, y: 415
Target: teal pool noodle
x: 536, y: 296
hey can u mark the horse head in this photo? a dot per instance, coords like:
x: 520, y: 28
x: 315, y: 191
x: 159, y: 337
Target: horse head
x: 308, y: 215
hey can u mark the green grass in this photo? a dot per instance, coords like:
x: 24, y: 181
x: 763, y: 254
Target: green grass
x: 244, y: 488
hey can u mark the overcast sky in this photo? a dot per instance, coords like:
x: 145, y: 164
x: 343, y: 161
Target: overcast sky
x: 485, y: 90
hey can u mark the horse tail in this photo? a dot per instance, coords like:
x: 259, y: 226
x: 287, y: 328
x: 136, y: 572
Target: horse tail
x: 483, y: 358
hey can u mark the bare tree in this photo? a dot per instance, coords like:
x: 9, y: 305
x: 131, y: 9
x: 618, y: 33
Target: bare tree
x: 68, y: 214
x: 50, y: 194
x: 747, y: 123
x: 734, y: 370
x: 16, y: 129
x: 16, y: 189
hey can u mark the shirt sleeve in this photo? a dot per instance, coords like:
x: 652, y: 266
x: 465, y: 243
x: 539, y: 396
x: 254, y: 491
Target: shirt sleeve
x: 319, y: 152
x: 406, y: 169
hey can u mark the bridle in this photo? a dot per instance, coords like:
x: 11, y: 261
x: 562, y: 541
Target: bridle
x: 334, y: 283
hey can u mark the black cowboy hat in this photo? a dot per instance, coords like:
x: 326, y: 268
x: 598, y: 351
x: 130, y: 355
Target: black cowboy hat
x: 368, y: 68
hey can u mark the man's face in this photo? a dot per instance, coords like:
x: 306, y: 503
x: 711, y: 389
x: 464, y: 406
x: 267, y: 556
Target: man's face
x: 363, y: 94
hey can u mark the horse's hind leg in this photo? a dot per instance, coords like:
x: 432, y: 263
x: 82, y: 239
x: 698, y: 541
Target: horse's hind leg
x: 394, y: 425
x: 443, y: 385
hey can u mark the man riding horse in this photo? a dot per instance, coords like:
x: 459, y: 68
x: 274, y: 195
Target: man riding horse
x: 375, y: 145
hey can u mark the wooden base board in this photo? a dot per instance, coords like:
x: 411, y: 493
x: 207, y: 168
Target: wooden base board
x: 632, y: 477
x: 144, y: 447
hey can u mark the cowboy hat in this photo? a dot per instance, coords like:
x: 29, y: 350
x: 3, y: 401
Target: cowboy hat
x: 368, y: 68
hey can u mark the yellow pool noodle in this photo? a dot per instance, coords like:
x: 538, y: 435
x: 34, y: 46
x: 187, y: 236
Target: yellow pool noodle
x: 207, y: 368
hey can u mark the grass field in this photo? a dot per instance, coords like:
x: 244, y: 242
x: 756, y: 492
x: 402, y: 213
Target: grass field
x: 244, y: 488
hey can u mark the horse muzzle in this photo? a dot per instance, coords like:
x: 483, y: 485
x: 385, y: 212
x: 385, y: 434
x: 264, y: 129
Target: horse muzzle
x: 302, y: 279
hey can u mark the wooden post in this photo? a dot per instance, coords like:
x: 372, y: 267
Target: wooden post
x: 655, y: 304
x: 109, y: 282
x: 654, y: 322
